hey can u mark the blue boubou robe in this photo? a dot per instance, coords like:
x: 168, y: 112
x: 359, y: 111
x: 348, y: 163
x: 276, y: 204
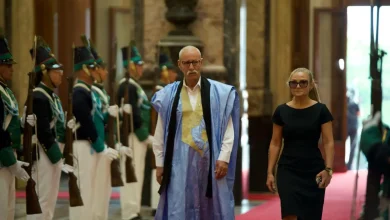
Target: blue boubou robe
x: 189, y: 188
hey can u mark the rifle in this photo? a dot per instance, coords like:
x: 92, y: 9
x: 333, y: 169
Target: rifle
x: 74, y: 191
x: 32, y: 201
x: 376, y: 61
x: 130, y: 171
x: 116, y: 176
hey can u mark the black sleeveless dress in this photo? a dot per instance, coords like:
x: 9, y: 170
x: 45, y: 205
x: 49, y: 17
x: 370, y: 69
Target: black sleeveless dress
x: 301, y: 160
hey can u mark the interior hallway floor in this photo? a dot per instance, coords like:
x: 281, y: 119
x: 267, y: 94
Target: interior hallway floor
x: 62, y: 207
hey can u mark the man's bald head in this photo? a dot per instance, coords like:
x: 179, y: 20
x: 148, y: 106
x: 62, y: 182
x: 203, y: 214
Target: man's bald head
x: 190, y: 63
x: 191, y: 50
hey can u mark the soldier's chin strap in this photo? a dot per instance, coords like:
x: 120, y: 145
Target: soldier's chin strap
x: 99, y: 81
x: 46, y: 75
x: 86, y: 70
x: 1, y: 78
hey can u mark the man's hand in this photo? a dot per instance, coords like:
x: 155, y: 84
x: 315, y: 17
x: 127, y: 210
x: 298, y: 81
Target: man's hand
x: 221, y: 169
x: 159, y: 174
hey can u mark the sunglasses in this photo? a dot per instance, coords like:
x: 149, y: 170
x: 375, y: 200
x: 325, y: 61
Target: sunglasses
x: 302, y: 84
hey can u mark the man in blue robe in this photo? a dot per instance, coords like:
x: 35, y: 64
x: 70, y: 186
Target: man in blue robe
x: 196, y: 141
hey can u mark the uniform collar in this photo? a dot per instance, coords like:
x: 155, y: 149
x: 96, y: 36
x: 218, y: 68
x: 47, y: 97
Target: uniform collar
x: 3, y: 84
x: 99, y: 85
x: 45, y: 87
x: 82, y: 82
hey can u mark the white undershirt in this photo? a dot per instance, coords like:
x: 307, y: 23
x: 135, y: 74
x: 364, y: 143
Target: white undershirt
x: 158, y: 144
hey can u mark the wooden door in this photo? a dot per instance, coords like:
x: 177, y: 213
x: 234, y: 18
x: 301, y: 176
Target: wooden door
x: 330, y: 34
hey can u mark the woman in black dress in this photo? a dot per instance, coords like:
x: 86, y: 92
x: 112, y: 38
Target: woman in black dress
x: 302, y: 174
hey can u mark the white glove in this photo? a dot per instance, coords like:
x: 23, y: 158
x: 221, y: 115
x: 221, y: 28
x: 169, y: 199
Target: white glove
x: 18, y: 170
x: 31, y: 119
x: 71, y: 123
x: 149, y: 140
x: 118, y: 146
x: 127, y: 108
x: 113, y: 110
x: 372, y: 121
x: 67, y: 168
x: 126, y: 151
x: 111, y: 154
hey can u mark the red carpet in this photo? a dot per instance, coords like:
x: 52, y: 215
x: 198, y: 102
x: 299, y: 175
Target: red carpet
x: 64, y: 195
x: 338, y: 200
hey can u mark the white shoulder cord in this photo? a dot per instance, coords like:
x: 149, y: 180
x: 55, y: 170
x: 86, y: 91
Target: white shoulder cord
x: 38, y: 145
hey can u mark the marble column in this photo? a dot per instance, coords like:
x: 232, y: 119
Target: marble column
x: 22, y: 41
x: 269, y: 57
x: 230, y: 39
x: 2, y: 11
x: 255, y: 55
x: 281, y: 50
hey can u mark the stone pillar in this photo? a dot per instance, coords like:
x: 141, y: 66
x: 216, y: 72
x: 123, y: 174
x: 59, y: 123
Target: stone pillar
x: 2, y: 12
x: 281, y: 50
x: 72, y: 22
x: 22, y: 41
x: 269, y: 56
x: 255, y: 55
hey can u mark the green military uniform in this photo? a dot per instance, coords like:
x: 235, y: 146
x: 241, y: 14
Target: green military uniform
x: 57, y: 121
x: 47, y: 105
x: 143, y: 103
x: 376, y: 148
x: 10, y: 139
x: 131, y: 193
x: 11, y: 131
x: 101, y: 100
x: 49, y: 129
x: 11, y: 123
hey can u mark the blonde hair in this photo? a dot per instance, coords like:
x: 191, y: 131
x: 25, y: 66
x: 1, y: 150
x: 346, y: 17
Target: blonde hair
x: 313, y: 94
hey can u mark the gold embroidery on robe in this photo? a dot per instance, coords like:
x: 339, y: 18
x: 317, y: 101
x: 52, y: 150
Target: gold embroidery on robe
x: 192, y: 119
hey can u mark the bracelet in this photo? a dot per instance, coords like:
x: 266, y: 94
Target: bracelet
x: 329, y: 170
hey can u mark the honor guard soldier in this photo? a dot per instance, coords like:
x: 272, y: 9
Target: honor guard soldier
x: 168, y: 72
x: 49, y: 138
x: 88, y: 145
x: 375, y: 145
x: 103, y: 111
x: 10, y: 135
x: 139, y: 138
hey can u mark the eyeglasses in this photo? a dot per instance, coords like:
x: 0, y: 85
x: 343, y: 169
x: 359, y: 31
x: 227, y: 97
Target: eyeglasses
x: 194, y: 63
x: 302, y: 84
